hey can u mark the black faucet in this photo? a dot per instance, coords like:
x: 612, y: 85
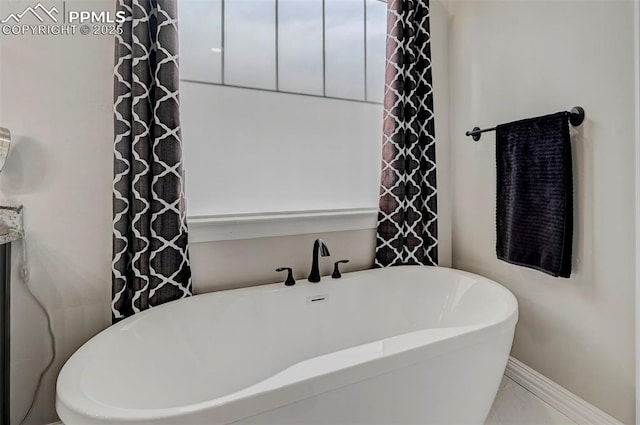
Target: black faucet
x: 319, y: 244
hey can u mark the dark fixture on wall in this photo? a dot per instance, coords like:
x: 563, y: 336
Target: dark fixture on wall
x: 10, y: 230
x: 5, y: 318
x: 575, y: 116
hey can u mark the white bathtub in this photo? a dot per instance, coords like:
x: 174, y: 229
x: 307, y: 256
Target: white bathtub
x: 402, y: 345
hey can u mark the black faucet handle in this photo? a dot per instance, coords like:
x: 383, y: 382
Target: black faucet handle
x: 336, y: 269
x: 290, y: 280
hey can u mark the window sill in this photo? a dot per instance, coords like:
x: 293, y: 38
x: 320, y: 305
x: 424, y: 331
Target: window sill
x: 263, y: 225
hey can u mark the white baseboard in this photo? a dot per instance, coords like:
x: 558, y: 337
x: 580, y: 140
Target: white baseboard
x: 564, y: 401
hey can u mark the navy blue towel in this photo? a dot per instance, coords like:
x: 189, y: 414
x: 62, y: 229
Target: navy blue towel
x: 534, y: 208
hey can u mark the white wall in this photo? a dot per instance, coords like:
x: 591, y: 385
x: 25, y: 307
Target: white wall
x: 637, y: 193
x: 516, y: 59
x: 56, y: 97
x: 442, y: 122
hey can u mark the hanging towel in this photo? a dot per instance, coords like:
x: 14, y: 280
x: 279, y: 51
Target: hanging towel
x: 534, y: 208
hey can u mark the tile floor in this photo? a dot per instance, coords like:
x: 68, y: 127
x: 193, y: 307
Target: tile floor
x: 516, y: 406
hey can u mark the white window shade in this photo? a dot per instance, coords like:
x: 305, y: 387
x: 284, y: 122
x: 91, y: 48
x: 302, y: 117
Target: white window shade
x: 252, y: 151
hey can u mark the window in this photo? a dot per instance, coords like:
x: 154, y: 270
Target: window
x: 329, y: 48
x: 281, y: 104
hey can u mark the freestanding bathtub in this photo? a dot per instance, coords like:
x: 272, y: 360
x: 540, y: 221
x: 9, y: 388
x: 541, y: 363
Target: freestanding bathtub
x: 401, y: 345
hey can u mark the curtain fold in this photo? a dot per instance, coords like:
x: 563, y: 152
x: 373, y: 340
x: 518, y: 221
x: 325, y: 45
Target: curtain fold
x: 407, y: 230
x: 150, y: 253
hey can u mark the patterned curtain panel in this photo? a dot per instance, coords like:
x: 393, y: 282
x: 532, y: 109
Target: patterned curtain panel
x: 407, y: 218
x: 150, y: 256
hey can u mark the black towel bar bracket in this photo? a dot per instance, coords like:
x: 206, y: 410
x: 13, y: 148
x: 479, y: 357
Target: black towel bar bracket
x: 576, y: 117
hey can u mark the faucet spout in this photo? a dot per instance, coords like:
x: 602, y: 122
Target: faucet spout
x: 319, y: 247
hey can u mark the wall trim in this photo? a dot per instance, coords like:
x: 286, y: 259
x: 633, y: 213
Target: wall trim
x: 287, y: 223
x: 637, y: 194
x: 561, y: 399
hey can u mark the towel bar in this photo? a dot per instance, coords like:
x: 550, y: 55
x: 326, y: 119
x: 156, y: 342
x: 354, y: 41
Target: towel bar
x: 576, y: 117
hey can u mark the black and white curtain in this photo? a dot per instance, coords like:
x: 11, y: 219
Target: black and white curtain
x: 407, y: 219
x: 150, y: 256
